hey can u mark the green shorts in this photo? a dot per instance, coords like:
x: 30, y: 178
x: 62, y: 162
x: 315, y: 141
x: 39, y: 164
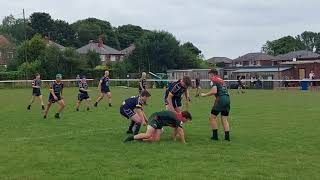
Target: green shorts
x: 221, y: 105
x: 153, y: 123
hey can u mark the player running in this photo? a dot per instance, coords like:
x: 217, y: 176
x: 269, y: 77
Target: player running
x: 83, y: 94
x: 240, y: 85
x: 221, y: 105
x: 159, y: 119
x: 132, y: 108
x: 143, y: 82
x: 103, y: 87
x: 56, y: 92
x: 174, y: 92
x: 36, y: 91
x: 198, y: 87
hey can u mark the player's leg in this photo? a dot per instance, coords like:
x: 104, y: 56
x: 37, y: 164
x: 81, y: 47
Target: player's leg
x: 99, y: 99
x: 109, y: 98
x: 78, y: 102
x: 214, y: 124
x: 130, y: 131
x: 47, y: 109
x: 88, y: 103
x: 41, y: 101
x: 147, y: 135
x: 61, y: 107
x: 31, y: 102
x: 155, y: 136
x: 224, y: 120
x: 137, y: 125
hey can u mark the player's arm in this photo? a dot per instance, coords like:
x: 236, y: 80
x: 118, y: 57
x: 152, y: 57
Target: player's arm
x: 62, y: 91
x: 141, y: 115
x: 99, y: 85
x: 169, y: 100
x: 212, y: 92
x: 34, y: 85
x: 140, y: 84
x: 52, y: 92
x: 180, y: 133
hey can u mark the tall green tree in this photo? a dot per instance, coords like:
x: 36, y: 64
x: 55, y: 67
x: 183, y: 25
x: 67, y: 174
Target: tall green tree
x: 42, y: 23
x: 191, y: 47
x: 128, y: 34
x: 283, y: 46
x: 62, y: 33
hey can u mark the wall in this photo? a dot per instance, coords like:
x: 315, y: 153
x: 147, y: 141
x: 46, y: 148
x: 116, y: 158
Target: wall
x: 294, y: 72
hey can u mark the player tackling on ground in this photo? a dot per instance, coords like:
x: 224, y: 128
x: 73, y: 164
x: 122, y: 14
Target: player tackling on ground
x: 104, y: 89
x: 132, y: 108
x: 36, y: 91
x: 56, y: 92
x: 83, y: 94
x: 159, y: 119
x: 221, y: 104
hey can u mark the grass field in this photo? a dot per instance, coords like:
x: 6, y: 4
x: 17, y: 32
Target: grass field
x: 274, y: 135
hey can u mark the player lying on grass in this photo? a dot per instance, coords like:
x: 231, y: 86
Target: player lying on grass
x: 36, y: 91
x: 56, y: 92
x: 104, y: 89
x: 174, y: 92
x: 221, y: 104
x: 83, y: 94
x: 132, y: 108
x: 159, y: 119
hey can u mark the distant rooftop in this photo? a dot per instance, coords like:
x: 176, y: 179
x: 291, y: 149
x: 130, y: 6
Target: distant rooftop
x: 254, y: 57
x: 98, y: 48
x: 297, y: 54
x: 216, y: 60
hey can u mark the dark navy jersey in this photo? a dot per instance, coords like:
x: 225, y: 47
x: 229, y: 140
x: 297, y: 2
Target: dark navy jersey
x: 143, y: 82
x: 36, y: 82
x: 133, y: 102
x: 176, y: 89
x: 197, y: 81
x: 57, y: 87
x: 83, y: 86
x: 105, y: 83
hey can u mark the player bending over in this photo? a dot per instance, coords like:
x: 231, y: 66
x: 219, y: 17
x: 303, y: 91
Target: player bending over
x: 36, y: 91
x: 132, y: 108
x: 103, y: 87
x: 221, y: 105
x: 83, y: 94
x: 56, y: 92
x: 159, y: 119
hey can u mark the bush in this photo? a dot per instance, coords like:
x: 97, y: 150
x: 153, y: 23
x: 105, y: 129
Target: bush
x: 12, y: 75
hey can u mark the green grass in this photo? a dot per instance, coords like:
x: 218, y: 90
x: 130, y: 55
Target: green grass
x: 275, y: 135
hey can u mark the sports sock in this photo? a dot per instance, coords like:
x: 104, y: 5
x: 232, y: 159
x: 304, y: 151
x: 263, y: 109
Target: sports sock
x: 131, y: 126
x: 129, y: 138
x: 42, y: 107
x: 214, y: 134
x: 226, y: 136
x: 136, y: 128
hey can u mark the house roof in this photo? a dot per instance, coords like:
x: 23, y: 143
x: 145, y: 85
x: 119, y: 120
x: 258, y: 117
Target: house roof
x: 269, y: 69
x: 186, y: 70
x: 300, y: 62
x: 297, y: 54
x: 254, y: 57
x: 128, y: 50
x: 51, y: 43
x: 4, y: 42
x: 215, y: 60
x: 100, y: 50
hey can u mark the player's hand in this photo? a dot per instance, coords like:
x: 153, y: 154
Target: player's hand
x: 55, y: 97
x: 202, y: 94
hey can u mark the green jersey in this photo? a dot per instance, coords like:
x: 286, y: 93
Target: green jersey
x: 165, y: 118
x: 217, y: 82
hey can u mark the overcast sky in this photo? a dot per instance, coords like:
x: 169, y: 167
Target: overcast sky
x: 218, y: 27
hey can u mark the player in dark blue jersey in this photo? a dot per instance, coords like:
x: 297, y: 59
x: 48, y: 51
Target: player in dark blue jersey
x: 143, y: 82
x: 36, y: 91
x: 56, y: 92
x: 83, y: 94
x: 174, y: 92
x: 132, y: 108
x: 104, y: 89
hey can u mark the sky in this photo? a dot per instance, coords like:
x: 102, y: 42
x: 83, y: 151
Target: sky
x: 228, y: 28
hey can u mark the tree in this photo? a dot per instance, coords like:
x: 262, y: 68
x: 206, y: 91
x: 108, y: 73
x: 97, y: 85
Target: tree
x: 310, y: 40
x: 42, y: 23
x: 128, y: 34
x: 192, y: 48
x: 62, y: 33
x: 283, y: 46
x: 93, y: 59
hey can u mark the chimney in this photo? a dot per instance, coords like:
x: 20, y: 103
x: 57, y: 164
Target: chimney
x: 100, y: 42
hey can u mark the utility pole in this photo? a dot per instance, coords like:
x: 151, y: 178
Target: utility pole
x: 25, y: 38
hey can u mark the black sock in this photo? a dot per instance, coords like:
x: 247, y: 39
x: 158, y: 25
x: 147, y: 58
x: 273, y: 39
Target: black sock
x: 131, y: 126
x: 226, y: 136
x: 129, y: 138
x: 42, y: 107
x: 215, y: 134
x: 136, y: 129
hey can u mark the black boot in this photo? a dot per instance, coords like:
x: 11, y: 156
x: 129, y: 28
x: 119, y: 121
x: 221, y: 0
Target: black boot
x: 29, y: 107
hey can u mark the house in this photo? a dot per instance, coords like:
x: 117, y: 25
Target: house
x: 220, y: 61
x: 127, y: 51
x: 174, y: 74
x: 107, y: 54
x: 7, y: 50
x: 51, y: 43
x: 294, y: 55
x: 253, y: 59
x: 302, y: 68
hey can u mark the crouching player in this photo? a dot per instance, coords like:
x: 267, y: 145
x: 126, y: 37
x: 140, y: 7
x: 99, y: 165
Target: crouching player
x: 159, y: 119
x: 132, y: 108
x: 83, y: 94
x: 56, y: 92
x: 221, y: 105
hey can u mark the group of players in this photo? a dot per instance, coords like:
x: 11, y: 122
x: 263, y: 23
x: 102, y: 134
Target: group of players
x: 132, y: 108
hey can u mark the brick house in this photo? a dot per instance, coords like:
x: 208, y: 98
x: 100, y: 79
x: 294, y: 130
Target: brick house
x: 294, y: 56
x: 253, y: 59
x: 7, y: 50
x: 107, y: 54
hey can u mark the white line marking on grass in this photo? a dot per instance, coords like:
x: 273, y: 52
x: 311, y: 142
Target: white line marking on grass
x: 69, y: 134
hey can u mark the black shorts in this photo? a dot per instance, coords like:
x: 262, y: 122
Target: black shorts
x: 176, y: 102
x: 52, y: 100
x: 83, y: 96
x: 126, y: 112
x: 105, y: 91
x: 36, y: 93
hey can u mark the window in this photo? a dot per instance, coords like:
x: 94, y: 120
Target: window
x: 103, y: 58
x: 112, y: 58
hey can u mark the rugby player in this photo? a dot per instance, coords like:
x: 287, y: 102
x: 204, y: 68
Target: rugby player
x: 83, y: 94
x: 221, y: 104
x: 36, y: 91
x: 56, y: 95
x: 132, y: 109
x: 143, y: 82
x: 198, y: 87
x: 159, y: 119
x: 104, y: 89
